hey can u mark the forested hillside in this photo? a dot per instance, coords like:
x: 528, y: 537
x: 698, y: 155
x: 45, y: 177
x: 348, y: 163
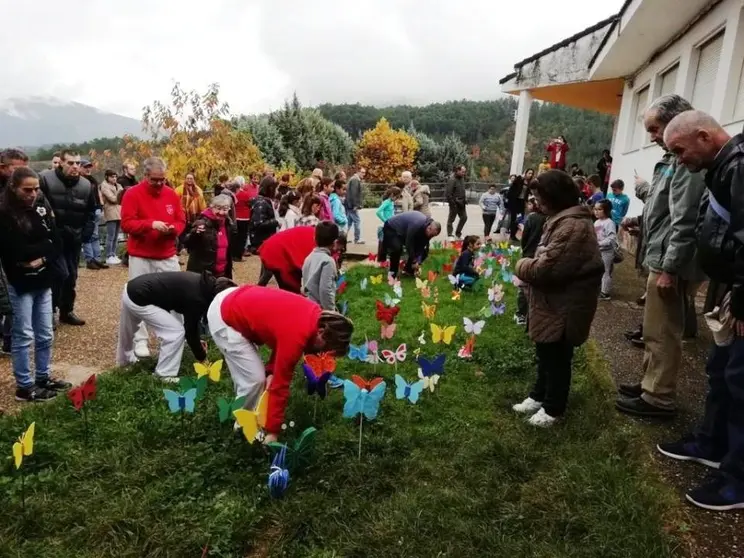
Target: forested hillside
x: 488, y: 128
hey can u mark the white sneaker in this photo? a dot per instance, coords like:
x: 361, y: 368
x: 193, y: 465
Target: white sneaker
x: 168, y: 379
x: 113, y: 260
x: 542, y: 419
x: 527, y: 407
x: 450, y: 239
x: 141, y: 350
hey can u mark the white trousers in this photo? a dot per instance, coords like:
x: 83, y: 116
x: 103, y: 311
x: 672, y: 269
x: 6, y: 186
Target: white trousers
x: 241, y: 356
x: 143, y: 266
x: 167, y: 326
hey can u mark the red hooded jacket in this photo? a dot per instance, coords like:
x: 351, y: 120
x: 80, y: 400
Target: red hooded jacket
x: 140, y: 207
x: 286, y: 323
x: 285, y: 252
x: 556, y: 161
x: 243, y: 198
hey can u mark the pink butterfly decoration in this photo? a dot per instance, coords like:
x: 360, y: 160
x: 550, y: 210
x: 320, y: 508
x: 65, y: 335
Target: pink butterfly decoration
x: 399, y: 355
x: 387, y: 331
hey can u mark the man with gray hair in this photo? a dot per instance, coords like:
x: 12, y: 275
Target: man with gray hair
x: 669, y: 218
x: 700, y: 143
x: 405, y: 201
x: 153, y: 218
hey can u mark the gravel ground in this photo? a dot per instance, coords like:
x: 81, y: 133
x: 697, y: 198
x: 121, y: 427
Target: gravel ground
x: 715, y: 535
x: 80, y: 351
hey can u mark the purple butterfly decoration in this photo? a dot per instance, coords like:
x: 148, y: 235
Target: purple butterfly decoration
x: 316, y: 384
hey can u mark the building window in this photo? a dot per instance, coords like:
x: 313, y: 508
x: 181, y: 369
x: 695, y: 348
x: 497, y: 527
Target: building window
x: 637, y: 136
x: 739, y: 102
x: 709, y: 55
x: 668, y: 81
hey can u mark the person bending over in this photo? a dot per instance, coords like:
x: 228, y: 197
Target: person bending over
x: 412, y: 230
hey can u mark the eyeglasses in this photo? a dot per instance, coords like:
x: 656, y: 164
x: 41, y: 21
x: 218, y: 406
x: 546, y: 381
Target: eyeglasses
x: 73, y: 163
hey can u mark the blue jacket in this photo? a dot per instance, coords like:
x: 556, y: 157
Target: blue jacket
x: 337, y: 208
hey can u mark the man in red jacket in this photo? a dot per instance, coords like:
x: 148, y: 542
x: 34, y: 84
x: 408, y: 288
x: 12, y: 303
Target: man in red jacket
x: 282, y: 256
x: 243, y: 318
x: 153, y: 218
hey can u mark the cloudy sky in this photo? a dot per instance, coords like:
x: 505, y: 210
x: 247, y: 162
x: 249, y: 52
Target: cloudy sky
x: 120, y: 56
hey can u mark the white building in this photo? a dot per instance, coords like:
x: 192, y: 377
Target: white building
x: 651, y: 47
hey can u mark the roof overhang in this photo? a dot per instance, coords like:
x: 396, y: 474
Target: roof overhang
x: 603, y: 96
x: 642, y: 29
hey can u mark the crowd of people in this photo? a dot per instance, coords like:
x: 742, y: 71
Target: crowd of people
x: 568, y: 227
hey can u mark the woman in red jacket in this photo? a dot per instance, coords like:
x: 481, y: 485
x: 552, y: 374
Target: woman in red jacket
x: 243, y: 318
x: 282, y: 256
x: 243, y: 200
x: 558, y: 149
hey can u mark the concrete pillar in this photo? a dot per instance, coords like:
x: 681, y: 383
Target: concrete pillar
x: 520, y: 132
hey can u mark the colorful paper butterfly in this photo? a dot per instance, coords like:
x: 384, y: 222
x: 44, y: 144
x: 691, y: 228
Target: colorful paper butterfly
x: 316, y: 383
x: 404, y: 390
x: 387, y: 331
x: 180, y: 402
x: 430, y: 371
x: 376, y: 279
x: 391, y: 301
x: 363, y: 284
x: 454, y: 280
x: 432, y: 276
x: 199, y: 384
x: 399, y: 355
x: 421, y: 284
x: 299, y: 453
x: 392, y: 281
x: 278, y: 475
x: 426, y: 293
x: 343, y: 307
x: 369, y: 385
x: 447, y: 268
x: 498, y: 310
x: 506, y: 275
x: 422, y: 338
x: 361, y: 401
x: 442, y: 334
x: 226, y: 408
x: 466, y: 351
x: 358, y: 352
x: 496, y: 294
x: 429, y: 310
x: 83, y: 393
x: 372, y: 257
x: 385, y: 314
x: 341, y: 288
x: 488, y: 272
x: 320, y: 363
x: 212, y: 371
x: 456, y: 294
x: 24, y: 446
x: 253, y: 421
x: 475, y: 328
x: 398, y: 290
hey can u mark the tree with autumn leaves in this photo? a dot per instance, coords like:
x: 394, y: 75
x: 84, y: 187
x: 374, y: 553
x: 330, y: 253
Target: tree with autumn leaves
x: 385, y: 152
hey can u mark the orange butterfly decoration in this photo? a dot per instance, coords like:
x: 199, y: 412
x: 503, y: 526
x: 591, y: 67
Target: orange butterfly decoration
x: 321, y: 363
x: 447, y: 268
x: 83, y: 393
x: 467, y: 350
x: 433, y: 276
x: 369, y: 385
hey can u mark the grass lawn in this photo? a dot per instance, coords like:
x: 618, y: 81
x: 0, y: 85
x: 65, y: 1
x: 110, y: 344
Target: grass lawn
x: 456, y: 475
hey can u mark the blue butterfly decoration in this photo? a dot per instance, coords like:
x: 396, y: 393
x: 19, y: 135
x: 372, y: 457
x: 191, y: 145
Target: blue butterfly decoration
x: 340, y: 280
x: 358, y: 352
x: 404, y: 390
x: 433, y: 367
x: 180, y: 402
x: 498, y: 310
x: 506, y: 275
x: 316, y: 384
x: 361, y: 401
x: 343, y: 307
x: 279, y: 474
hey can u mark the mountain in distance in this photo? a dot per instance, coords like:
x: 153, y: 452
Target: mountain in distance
x: 38, y: 121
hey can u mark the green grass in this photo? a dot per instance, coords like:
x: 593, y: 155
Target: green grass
x: 456, y: 475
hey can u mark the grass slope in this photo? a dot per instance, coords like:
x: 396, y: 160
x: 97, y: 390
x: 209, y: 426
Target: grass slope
x: 456, y: 475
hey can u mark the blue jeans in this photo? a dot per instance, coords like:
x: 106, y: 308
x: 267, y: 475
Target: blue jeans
x: 112, y: 237
x: 92, y: 249
x: 721, y: 434
x: 352, y: 218
x: 32, y: 323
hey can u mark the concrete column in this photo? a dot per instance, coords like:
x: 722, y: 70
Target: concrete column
x: 520, y: 132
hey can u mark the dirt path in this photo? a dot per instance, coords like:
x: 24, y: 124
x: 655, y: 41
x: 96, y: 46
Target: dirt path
x: 715, y: 534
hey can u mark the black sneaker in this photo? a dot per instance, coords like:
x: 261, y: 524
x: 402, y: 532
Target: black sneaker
x: 638, y: 343
x: 92, y: 264
x: 718, y: 494
x: 34, y: 393
x: 71, y: 319
x: 102, y: 265
x: 633, y: 334
x: 687, y: 449
x: 641, y: 301
x: 6, y: 345
x: 53, y: 384
x: 639, y: 407
x: 631, y: 391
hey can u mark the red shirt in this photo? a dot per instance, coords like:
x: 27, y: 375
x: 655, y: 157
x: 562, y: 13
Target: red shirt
x: 143, y: 205
x: 243, y: 198
x: 557, y: 155
x: 285, y: 252
x: 286, y: 323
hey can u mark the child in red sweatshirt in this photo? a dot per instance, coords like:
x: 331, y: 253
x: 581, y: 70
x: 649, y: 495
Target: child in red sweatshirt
x: 243, y: 318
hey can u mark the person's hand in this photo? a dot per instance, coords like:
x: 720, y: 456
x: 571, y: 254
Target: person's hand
x: 639, y: 180
x: 200, y: 229
x: 35, y: 264
x: 204, y: 346
x: 160, y: 226
x: 269, y: 379
x: 666, y: 284
x: 517, y: 282
x: 269, y: 438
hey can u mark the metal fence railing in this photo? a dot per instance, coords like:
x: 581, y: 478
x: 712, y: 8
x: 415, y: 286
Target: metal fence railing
x: 373, y: 191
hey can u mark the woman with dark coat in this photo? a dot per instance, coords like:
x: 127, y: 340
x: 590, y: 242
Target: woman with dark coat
x: 516, y: 199
x: 209, y: 240
x: 263, y: 218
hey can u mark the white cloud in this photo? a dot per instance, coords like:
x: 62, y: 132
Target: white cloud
x: 121, y: 56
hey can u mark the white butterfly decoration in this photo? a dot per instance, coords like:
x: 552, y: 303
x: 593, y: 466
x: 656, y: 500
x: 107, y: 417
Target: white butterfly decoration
x: 454, y: 279
x: 474, y: 328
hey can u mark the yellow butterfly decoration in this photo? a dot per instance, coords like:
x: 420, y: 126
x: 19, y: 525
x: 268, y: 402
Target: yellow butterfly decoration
x: 456, y: 294
x: 252, y: 422
x: 376, y: 279
x: 429, y: 310
x: 504, y: 245
x: 421, y: 284
x: 442, y: 334
x: 212, y: 370
x: 24, y: 445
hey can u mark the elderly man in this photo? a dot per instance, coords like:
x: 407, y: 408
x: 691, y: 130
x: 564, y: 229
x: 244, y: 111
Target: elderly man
x: 669, y: 219
x: 700, y: 143
x: 354, y: 201
x: 456, y: 198
x: 405, y: 201
x: 411, y: 230
x: 73, y: 199
x: 153, y: 218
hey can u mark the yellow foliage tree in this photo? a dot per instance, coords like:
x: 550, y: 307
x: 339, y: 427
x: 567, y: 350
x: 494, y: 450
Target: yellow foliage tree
x: 385, y: 152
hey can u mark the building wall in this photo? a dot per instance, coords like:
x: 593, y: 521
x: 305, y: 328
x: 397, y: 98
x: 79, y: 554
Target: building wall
x: 632, y: 152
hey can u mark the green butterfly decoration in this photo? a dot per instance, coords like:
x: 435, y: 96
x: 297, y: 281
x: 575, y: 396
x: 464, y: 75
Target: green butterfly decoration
x: 186, y: 383
x: 299, y: 454
x: 227, y: 407
x: 437, y: 244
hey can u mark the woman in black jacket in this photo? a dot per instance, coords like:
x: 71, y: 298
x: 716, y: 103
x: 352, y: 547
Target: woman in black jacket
x: 28, y: 249
x: 516, y: 198
x: 263, y: 218
x: 210, y: 239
